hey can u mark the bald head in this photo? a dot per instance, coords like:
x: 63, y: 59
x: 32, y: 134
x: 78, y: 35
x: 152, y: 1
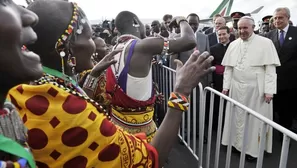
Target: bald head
x: 54, y: 17
x: 128, y: 23
x: 219, y: 22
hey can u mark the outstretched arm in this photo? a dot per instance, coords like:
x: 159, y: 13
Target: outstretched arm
x: 187, y: 77
x: 183, y: 43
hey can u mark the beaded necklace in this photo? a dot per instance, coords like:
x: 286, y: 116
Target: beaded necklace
x: 12, y: 138
x: 63, y: 79
x: 70, y: 88
x: 21, y: 163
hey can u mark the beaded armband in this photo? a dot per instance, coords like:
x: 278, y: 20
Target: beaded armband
x: 165, y: 47
x: 91, y: 83
x: 21, y: 163
x: 178, y: 101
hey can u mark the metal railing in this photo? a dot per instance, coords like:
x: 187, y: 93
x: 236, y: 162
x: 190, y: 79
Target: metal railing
x: 165, y: 77
x: 287, y: 134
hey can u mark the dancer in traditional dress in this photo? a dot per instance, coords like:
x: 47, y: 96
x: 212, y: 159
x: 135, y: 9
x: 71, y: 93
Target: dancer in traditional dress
x: 16, y: 66
x: 129, y: 81
x: 66, y: 127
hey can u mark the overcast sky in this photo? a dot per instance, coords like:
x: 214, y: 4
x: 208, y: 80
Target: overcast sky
x: 101, y: 9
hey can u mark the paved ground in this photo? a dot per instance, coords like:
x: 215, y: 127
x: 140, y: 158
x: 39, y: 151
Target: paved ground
x: 180, y: 157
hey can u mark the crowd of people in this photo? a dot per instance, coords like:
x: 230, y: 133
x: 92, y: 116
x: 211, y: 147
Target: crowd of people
x: 253, y: 67
x: 71, y: 111
x: 73, y: 97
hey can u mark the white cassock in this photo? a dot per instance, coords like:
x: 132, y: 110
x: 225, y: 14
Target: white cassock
x: 249, y: 74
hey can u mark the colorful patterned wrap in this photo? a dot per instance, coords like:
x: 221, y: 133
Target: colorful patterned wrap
x: 132, y: 115
x: 67, y: 131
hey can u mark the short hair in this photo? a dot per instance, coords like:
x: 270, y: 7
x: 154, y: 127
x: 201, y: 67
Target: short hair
x: 225, y: 28
x: 156, y: 22
x: 222, y: 18
x: 166, y: 17
x: 252, y: 21
x: 217, y: 15
x: 287, y: 10
x: 124, y: 21
x: 193, y: 15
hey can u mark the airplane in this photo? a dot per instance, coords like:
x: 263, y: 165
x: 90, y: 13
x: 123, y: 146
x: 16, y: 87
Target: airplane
x: 224, y: 9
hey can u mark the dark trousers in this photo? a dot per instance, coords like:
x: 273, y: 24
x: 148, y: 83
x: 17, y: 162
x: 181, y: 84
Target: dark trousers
x: 218, y: 85
x: 284, y: 105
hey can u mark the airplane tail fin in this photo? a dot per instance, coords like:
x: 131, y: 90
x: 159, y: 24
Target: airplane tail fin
x: 224, y: 8
x: 257, y: 10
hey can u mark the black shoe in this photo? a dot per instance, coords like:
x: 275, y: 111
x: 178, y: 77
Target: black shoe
x: 250, y: 158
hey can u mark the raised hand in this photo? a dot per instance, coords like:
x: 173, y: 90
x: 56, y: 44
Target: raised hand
x: 105, y: 63
x: 176, y: 20
x: 189, y: 75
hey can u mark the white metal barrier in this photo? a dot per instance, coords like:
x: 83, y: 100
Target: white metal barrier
x: 165, y: 77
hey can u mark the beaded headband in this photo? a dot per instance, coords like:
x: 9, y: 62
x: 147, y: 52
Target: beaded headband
x: 76, y: 23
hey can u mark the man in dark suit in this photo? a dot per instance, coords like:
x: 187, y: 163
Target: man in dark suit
x: 213, y: 38
x: 218, y: 51
x: 284, y: 38
x: 212, y: 29
x: 202, y: 46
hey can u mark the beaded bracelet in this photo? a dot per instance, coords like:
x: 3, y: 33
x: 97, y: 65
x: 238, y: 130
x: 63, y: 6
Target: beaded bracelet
x: 21, y: 163
x: 178, y: 101
x: 91, y: 83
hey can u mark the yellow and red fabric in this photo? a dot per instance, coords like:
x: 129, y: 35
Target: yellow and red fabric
x: 67, y: 131
x: 132, y: 115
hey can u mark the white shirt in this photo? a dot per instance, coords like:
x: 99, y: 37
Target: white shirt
x: 285, y: 31
x: 217, y: 37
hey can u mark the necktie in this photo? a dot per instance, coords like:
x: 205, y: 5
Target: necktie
x: 281, y: 38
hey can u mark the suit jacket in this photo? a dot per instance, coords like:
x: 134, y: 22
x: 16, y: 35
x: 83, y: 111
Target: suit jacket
x: 218, y: 51
x: 202, y: 42
x: 202, y: 45
x: 213, y: 40
x: 208, y: 31
x: 287, y: 72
